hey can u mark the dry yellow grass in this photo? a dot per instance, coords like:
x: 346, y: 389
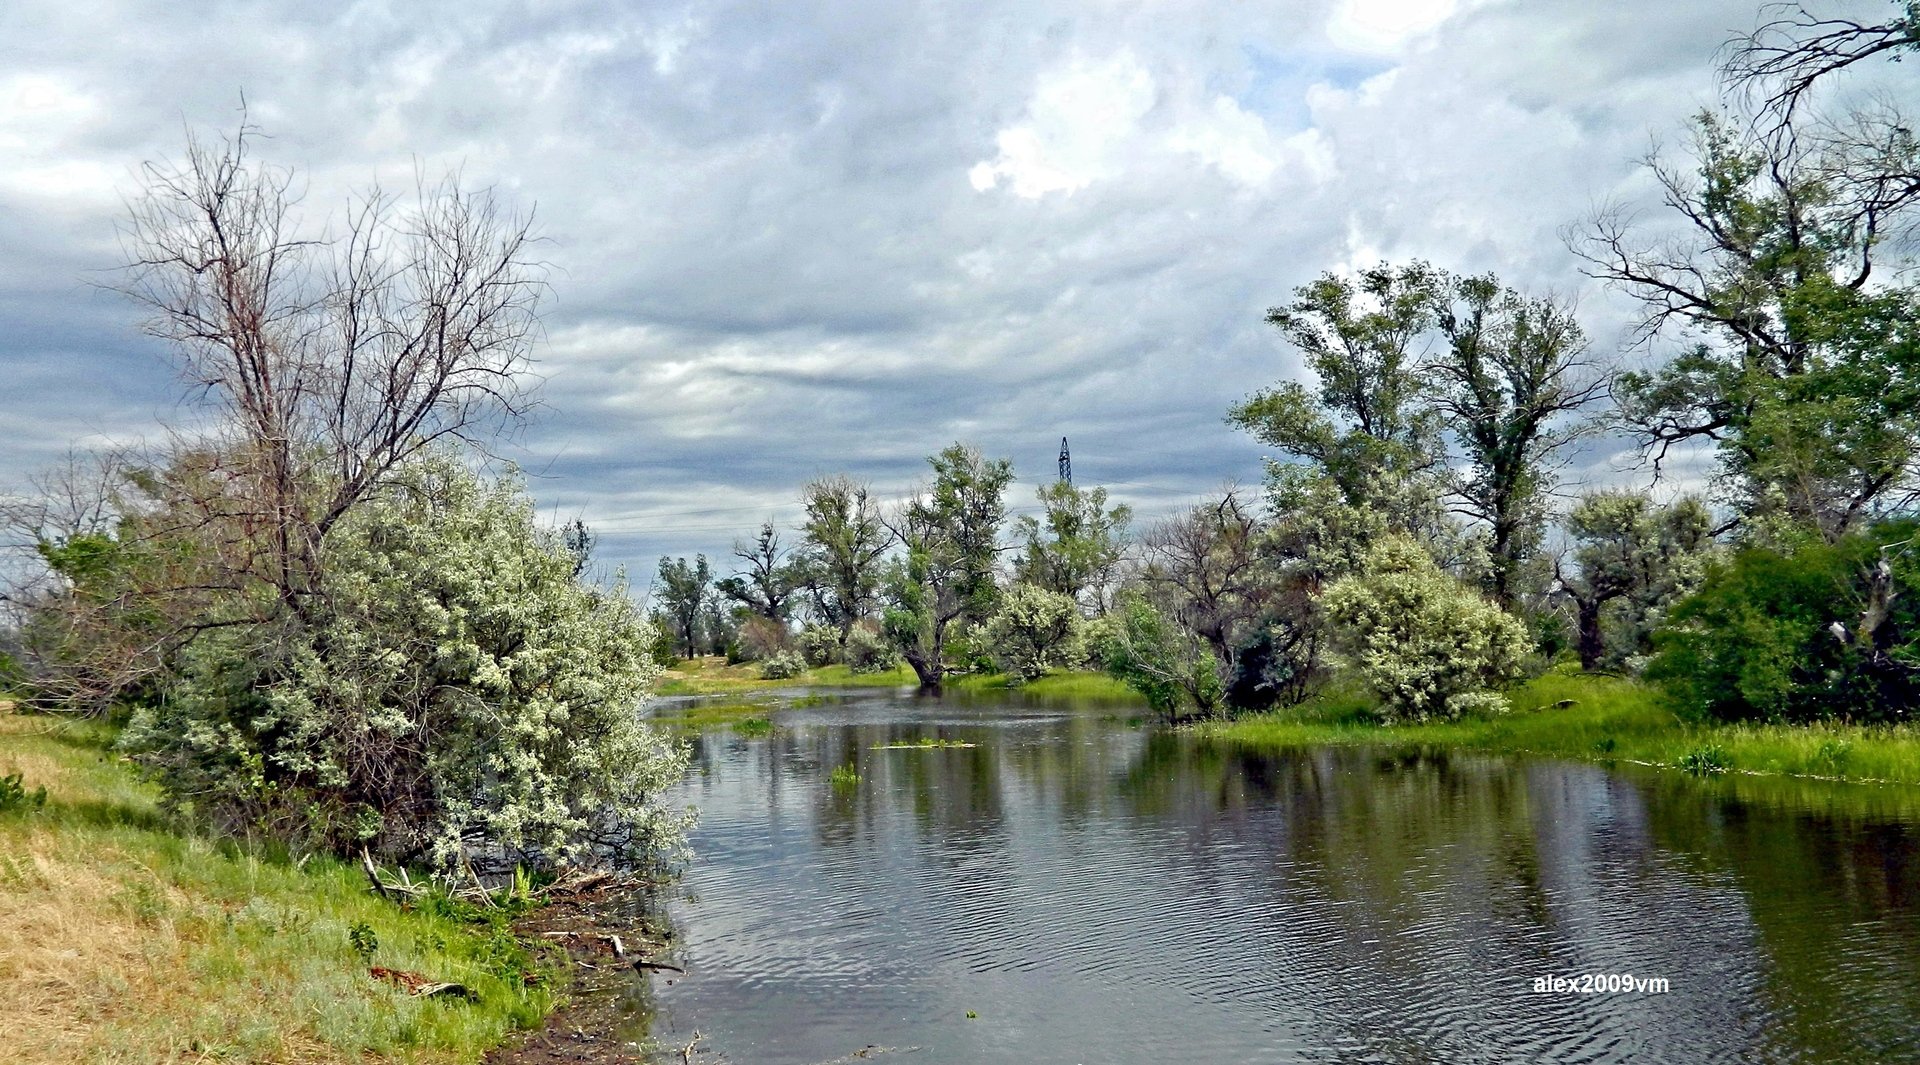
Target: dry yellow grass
x: 124, y: 942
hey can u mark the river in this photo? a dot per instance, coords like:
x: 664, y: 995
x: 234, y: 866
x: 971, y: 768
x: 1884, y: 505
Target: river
x: 1078, y: 887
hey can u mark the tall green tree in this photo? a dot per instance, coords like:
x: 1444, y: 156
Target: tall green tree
x: 1511, y: 378
x: 684, y: 592
x: 1074, y: 548
x: 951, y: 532
x: 845, y: 544
x: 1364, y: 424
x: 1804, y: 377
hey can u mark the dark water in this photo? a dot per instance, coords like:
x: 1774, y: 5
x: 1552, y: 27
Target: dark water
x: 1097, y: 892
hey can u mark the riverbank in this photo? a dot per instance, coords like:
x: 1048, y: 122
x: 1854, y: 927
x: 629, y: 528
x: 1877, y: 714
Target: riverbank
x: 712, y: 675
x: 122, y: 940
x: 1598, y: 718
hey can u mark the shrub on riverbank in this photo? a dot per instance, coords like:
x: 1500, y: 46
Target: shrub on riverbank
x: 1426, y: 644
x: 1807, y: 633
x: 453, y: 694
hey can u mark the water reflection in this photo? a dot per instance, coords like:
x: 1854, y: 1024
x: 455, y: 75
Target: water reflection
x: 1098, y: 892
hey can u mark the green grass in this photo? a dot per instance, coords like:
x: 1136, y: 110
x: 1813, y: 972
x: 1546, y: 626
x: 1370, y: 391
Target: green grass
x: 126, y: 941
x: 1073, y: 685
x: 713, y: 676
x: 1609, y: 718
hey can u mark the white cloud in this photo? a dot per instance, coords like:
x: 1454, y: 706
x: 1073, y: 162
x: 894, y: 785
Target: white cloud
x: 1077, y: 122
x: 1385, y: 27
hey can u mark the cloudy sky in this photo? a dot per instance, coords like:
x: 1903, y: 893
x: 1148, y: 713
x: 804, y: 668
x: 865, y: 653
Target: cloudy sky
x: 797, y: 238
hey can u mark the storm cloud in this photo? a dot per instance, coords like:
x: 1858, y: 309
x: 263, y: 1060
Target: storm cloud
x: 789, y: 239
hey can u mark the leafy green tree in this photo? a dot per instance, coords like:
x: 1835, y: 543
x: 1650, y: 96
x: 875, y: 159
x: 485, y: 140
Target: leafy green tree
x: 1806, y: 379
x: 1172, y: 668
x: 684, y: 594
x: 845, y: 545
x: 1802, y: 633
x: 951, y: 533
x: 1035, y: 630
x: 460, y: 698
x: 1075, y: 547
x: 1510, y: 377
x: 1426, y: 644
x: 1365, y: 427
x: 1633, y: 559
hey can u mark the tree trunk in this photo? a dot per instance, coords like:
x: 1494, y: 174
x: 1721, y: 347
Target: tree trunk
x: 1590, y: 645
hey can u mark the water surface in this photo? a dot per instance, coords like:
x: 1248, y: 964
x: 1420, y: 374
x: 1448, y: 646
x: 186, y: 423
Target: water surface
x: 1095, y: 891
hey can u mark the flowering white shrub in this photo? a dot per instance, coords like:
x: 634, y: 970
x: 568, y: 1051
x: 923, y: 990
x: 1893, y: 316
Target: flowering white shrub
x: 1425, y: 643
x: 1034, y: 631
x: 451, y: 693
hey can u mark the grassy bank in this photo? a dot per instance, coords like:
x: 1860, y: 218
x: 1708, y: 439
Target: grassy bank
x: 124, y: 941
x: 713, y: 676
x: 1600, y: 718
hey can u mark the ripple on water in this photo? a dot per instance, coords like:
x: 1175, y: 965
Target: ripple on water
x: 1096, y: 893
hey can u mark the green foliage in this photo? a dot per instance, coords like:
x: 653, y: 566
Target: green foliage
x: 1427, y: 645
x: 684, y: 594
x: 783, y: 665
x: 1635, y: 559
x: 1509, y: 379
x: 819, y: 645
x: 1364, y: 427
x: 1801, y: 634
x: 454, y: 690
x: 363, y: 939
x: 14, y: 796
x: 1706, y: 760
x: 844, y: 776
x: 1807, y: 381
x: 844, y: 544
x: 951, y: 533
x: 1076, y: 549
x: 1171, y: 668
x: 869, y: 652
x: 1035, y: 631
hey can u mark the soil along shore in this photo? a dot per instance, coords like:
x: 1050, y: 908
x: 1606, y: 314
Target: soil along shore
x: 123, y: 940
x: 1599, y: 718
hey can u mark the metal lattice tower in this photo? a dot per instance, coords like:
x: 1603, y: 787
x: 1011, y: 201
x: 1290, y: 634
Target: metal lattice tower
x: 1066, y: 462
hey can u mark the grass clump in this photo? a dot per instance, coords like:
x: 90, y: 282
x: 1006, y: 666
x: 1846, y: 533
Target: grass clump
x: 127, y: 942
x: 844, y: 776
x: 1592, y: 717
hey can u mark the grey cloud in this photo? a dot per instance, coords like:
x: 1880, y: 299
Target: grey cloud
x: 770, y: 260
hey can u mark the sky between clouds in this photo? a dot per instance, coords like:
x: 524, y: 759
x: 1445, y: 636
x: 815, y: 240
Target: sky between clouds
x: 791, y: 239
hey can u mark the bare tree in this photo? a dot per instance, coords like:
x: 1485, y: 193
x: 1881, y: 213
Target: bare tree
x: 770, y: 580
x: 1203, y: 566
x: 331, y: 360
x: 1784, y: 58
